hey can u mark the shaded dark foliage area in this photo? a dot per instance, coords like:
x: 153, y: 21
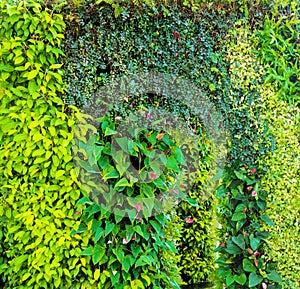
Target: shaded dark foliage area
x: 100, y: 48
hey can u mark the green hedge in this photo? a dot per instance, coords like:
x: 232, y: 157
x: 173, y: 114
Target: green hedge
x: 282, y: 179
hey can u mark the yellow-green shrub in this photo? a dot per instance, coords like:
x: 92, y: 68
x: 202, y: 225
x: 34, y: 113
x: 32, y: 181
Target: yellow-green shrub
x: 281, y: 163
x: 37, y: 179
x: 283, y: 177
x: 282, y: 183
x: 198, y: 225
x: 242, y: 202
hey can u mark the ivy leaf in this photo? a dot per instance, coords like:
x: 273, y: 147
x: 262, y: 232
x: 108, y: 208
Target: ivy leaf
x: 239, y: 175
x: 126, y: 263
x: 172, y: 164
x: 87, y: 252
x: 240, y: 279
x: 84, y: 201
x: 233, y: 249
x: 229, y: 280
x: 192, y: 202
x: 122, y: 183
x: 123, y: 143
x: 98, y: 254
x: 238, y: 216
x: 108, y: 131
x: 108, y: 227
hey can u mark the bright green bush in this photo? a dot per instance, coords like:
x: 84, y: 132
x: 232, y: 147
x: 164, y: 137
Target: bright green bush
x: 37, y: 179
x: 279, y: 52
x: 280, y: 124
x: 282, y: 185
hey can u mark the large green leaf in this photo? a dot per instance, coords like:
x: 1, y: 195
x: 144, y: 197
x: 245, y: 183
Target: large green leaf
x: 240, y: 279
x: 238, y: 216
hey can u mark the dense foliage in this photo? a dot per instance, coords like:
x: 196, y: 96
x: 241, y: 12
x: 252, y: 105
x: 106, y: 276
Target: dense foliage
x: 100, y: 48
x: 129, y: 215
x: 37, y: 179
x: 57, y: 231
x: 279, y: 128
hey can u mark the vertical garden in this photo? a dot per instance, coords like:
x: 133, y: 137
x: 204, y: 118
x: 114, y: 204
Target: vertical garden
x: 149, y: 144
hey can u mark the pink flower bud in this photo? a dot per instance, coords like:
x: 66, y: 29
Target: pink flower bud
x: 264, y: 285
x: 222, y: 244
x: 256, y: 253
x: 176, y: 34
x: 253, y: 171
x: 153, y: 176
x: 254, y: 194
x: 149, y: 116
x: 118, y: 118
x: 189, y: 220
x: 138, y: 207
x: 134, y: 238
x: 125, y: 241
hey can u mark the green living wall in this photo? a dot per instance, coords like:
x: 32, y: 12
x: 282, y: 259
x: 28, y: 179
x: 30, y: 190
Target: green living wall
x: 244, y: 58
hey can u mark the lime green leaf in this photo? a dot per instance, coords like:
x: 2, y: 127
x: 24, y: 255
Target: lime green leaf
x: 32, y: 74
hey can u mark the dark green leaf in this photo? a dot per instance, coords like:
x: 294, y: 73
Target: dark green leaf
x: 238, y: 216
x: 98, y: 254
